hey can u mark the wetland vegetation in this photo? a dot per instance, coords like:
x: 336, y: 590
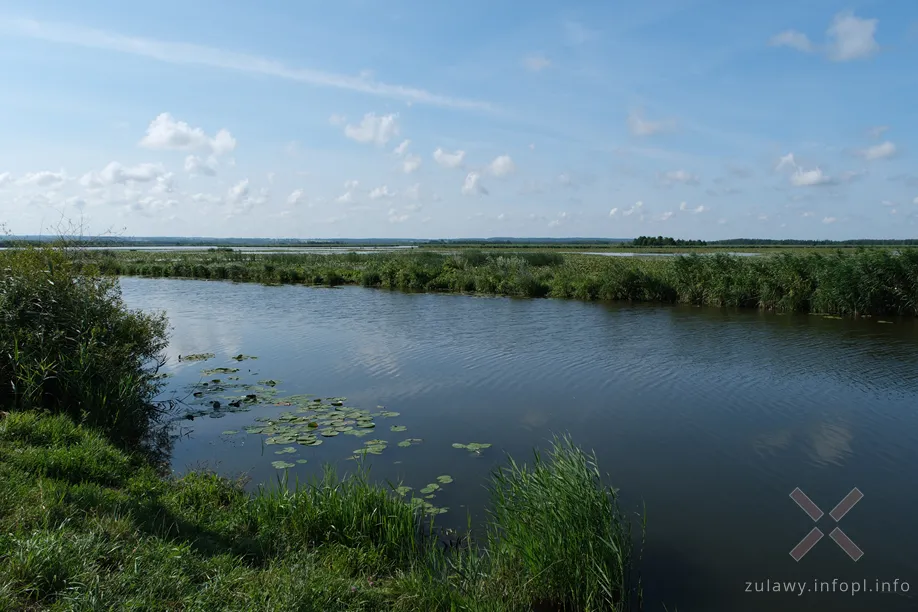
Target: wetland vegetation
x: 851, y: 282
x: 90, y: 521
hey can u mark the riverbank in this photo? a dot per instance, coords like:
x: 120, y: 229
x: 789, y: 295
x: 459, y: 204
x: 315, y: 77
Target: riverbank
x: 88, y: 521
x: 860, y: 282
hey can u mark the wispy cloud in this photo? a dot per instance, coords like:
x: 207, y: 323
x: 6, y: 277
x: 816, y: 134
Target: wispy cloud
x: 189, y: 53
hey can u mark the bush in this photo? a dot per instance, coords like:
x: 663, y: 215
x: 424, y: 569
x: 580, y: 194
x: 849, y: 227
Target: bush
x: 69, y: 345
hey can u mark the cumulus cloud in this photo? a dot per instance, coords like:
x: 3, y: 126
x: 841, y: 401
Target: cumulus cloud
x: 238, y: 192
x: 810, y: 178
x: 296, y: 196
x: 151, y: 206
x: 206, y: 198
x: 402, y: 148
x: 666, y: 216
x: 374, y: 129
x: 639, y: 126
x: 698, y: 209
x: 501, y: 166
x: 881, y: 151
x: 637, y: 208
x: 472, y: 185
x: 115, y: 174
x: 848, y: 37
x: 793, y: 39
x: 786, y: 161
x: 165, y: 133
x: 381, y: 192
x: 197, y: 166
x: 536, y: 62
x: 680, y: 176
x: 5, y: 178
x: 449, y: 160
x: 411, y: 163
x: 828, y: 220
x: 44, y: 178
x: 613, y: 212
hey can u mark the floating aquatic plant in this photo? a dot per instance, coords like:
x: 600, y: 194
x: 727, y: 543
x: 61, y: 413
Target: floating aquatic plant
x: 282, y: 465
x: 197, y: 357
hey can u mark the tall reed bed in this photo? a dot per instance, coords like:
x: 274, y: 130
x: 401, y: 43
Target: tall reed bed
x: 854, y: 282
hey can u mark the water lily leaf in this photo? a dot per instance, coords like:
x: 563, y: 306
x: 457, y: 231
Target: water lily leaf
x: 285, y: 451
x: 389, y: 414
x: 197, y: 357
x: 431, y: 496
x: 282, y: 465
x: 398, y: 428
x: 430, y: 488
x: 457, y: 445
x: 268, y: 383
x: 374, y: 442
x: 366, y: 424
x: 229, y: 432
x: 329, y: 433
x: 301, y: 461
x: 445, y: 479
x: 241, y: 357
x: 403, y: 491
x: 212, y: 371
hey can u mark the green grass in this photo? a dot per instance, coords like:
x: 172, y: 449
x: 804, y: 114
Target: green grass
x: 87, y: 526
x: 856, y: 282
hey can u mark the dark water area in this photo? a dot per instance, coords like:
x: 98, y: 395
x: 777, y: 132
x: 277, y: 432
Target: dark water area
x: 707, y: 418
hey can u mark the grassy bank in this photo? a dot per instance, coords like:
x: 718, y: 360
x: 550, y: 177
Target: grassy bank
x: 87, y: 526
x: 856, y: 282
x: 89, y: 522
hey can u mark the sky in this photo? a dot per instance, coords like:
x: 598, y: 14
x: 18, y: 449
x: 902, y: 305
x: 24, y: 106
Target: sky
x: 704, y: 119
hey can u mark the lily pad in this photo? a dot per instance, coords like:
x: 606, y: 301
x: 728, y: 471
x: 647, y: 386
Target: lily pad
x: 472, y: 446
x: 398, y: 428
x: 230, y: 432
x: 403, y: 491
x: 301, y: 461
x: 329, y: 433
x: 388, y: 414
x: 285, y: 451
x: 282, y: 465
x: 366, y: 424
x: 197, y: 357
x: 430, y: 488
x: 241, y: 357
x: 213, y: 371
x: 445, y: 479
x: 409, y: 442
x: 268, y: 383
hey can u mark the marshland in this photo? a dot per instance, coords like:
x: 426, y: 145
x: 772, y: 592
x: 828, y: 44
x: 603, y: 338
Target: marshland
x: 401, y: 431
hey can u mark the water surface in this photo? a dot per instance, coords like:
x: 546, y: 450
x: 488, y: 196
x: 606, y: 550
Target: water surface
x: 708, y: 418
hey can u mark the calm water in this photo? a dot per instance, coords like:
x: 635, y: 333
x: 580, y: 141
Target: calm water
x: 710, y: 418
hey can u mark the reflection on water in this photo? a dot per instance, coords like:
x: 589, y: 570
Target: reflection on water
x: 709, y: 417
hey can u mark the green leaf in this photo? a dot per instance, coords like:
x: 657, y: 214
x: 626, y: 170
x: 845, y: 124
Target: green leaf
x: 282, y: 465
x: 445, y: 479
x: 398, y: 428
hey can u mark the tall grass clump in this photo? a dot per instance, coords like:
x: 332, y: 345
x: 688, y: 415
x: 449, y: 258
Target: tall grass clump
x: 69, y: 345
x: 558, y: 533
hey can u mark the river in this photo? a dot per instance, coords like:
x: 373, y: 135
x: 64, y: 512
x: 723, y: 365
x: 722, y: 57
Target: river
x: 707, y: 418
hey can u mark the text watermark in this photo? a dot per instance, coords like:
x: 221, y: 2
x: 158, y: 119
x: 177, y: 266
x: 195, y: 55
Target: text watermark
x: 847, y: 587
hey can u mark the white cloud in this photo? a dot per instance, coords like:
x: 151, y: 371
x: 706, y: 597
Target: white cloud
x: 698, y: 209
x: 189, y: 54
x: 374, y: 129
x: 786, y: 161
x: 644, y: 127
x: 206, y: 198
x: 810, y: 178
x: 150, y: 206
x: 116, y: 174
x: 850, y: 37
x: 877, y: 131
x: 197, y: 166
x: 295, y: 197
x: 680, y: 176
x: 449, y: 160
x: 44, y: 178
x: 381, y: 192
x: 411, y: 164
x: 351, y: 184
x: 666, y: 216
x: 808, y: 214
x: 638, y: 206
x: 164, y: 184
x: 828, y: 220
x: 413, y: 192
x: 880, y: 151
x: 793, y: 39
x: 165, y: 133
x: 501, y: 166
x: 346, y: 198
x: 238, y: 192
x: 887, y: 203
x: 402, y: 148
x: 613, y: 212
x: 473, y: 186
x: 847, y: 38
x: 536, y: 62
x: 566, y: 180
x: 5, y: 178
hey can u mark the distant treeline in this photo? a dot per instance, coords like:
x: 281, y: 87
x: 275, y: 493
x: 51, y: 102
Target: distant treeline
x: 771, y: 242
x: 665, y: 241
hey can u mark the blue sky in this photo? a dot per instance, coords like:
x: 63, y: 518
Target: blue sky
x: 690, y: 118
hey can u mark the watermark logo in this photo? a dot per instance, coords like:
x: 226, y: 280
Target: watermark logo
x: 839, y: 511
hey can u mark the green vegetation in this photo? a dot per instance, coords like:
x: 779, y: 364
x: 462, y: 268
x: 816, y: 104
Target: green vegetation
x: 665, y: 241
x: 851, y: 282
x: 88, y: 522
